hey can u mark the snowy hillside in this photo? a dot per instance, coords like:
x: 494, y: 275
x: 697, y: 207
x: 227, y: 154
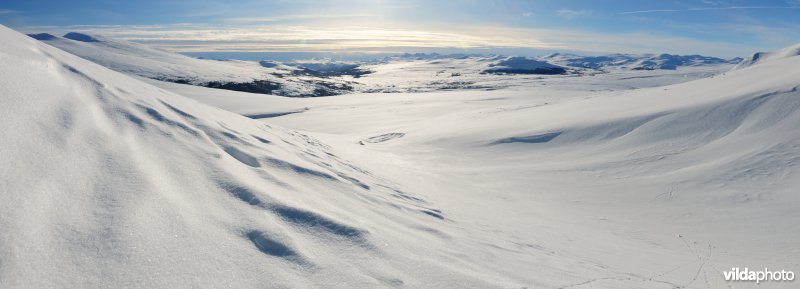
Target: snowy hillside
x: 762, y: 57
x: 112, y: 183
x: 635, y: 62
x: 653, y: 179
x: 141, y: 60
x: 470, y: 73
x: 523, y: 65
x: 660, y: 187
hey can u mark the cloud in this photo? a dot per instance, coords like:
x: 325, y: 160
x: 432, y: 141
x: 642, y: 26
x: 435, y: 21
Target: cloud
x: 650, y: 11
x: 321, y: 38
x: 527, y: 14
x: 742, y: 8
x: 765, y: 34
x: 711, y: 2
x: 287, y: 18
x: 572, y: 14
x: 710, y: 8
x: 8, y: 11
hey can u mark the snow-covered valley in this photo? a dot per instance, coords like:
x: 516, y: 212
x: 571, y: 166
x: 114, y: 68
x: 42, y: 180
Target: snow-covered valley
x: 399, y: 74
x: 430, y: 173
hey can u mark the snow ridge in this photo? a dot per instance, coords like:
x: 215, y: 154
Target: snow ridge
x: 144, y: 61
x: 111, y: 182
x: 762, y: 57
x: 635, y: 62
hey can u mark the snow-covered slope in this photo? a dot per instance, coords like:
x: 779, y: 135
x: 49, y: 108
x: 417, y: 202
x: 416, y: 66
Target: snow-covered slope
x: 153, y: 63
x: 108, y: 182
x: 761, y: 57
x: 469, y: 73
x: 523, y: 65
x: 635, y: 62
x: 145, y: 61
x: 662, y: 187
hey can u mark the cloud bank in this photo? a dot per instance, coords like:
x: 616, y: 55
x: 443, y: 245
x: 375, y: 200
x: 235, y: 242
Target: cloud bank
x: 360, y: 39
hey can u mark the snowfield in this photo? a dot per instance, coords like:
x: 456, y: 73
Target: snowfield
x: 110, y: 182
x: 144, y: 61
x: 626, y: 179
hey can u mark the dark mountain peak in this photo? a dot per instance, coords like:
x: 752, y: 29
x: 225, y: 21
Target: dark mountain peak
x: 81, y: 37
x: 43, y: 36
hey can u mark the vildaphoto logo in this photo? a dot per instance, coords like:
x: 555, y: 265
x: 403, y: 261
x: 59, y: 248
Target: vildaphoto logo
x: 758, y: 276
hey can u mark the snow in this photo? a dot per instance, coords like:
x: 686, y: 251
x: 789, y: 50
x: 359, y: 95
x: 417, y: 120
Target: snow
x: 524, y: 65
x: 636, y: 62
x: 627, y: 179
x: 761, y: 57
x: 141, y: 60
x: 153, y: 63
x: 110, y: 182
x: 651, y: 187
x: 442, y: 74
x: 404, y: 73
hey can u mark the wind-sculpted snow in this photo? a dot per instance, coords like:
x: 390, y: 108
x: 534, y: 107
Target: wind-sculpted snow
x: 108, y: 182
x: 271, y: 247
x: 762, y: 57
x: 539, y: 138
x: 383, y: 137
x: 608, y: 180
x: 591, y: 184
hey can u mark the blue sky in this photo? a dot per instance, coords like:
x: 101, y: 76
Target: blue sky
x: 712, y: 27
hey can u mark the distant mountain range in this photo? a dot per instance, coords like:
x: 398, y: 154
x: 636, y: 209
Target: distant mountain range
x: 549, y: 64
x: 634, y: 61
x: 308, y: 78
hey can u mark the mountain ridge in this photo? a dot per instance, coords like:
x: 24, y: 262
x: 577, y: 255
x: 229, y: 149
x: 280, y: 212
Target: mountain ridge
x: 636, y: 61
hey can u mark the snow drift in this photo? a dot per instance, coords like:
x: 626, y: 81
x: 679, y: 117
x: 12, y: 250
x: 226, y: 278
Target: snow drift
x: 108, y: 182
x: 762, y: 57
x: 660, y: 187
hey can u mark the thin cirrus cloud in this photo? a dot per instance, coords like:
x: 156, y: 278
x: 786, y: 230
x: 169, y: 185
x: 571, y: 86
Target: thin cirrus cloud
x: 303, y: 38
x: 289, y: 18
x: 362, y: 39
x: 710, y: 8
x: 572, y: 14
